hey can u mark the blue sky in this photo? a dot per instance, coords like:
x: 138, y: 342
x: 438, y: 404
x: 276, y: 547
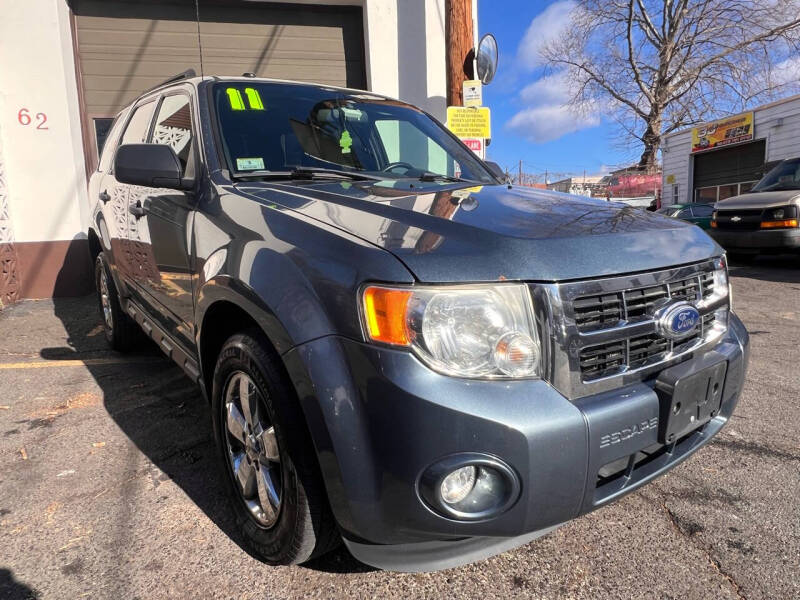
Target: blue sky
x: 529, y: 119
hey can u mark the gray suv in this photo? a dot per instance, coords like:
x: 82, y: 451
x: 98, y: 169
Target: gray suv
x: 400, y: 350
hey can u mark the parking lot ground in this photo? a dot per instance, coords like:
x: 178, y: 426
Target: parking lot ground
x: 110, y: 486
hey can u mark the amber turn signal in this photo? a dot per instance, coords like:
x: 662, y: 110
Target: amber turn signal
x: 714, y: 224
x: 786, y: 223
x: 385, y: 314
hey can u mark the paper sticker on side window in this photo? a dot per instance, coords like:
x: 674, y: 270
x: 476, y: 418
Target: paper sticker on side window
x: 249, y: 164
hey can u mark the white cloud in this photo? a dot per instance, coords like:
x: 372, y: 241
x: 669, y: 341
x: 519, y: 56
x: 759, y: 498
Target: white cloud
x: 545, y: 27
x: 786, y: 72
x: 548, y: 114
x: 550, y: 122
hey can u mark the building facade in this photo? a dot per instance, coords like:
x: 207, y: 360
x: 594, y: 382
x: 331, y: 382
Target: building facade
x: 68, y: 66
x: 727, y: 157
x: 587, y: 185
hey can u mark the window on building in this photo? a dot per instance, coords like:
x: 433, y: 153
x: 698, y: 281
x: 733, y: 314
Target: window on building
x: 675, y: 199
x: 708, y: 194
x: 746, y: 187
x: 727, y: 191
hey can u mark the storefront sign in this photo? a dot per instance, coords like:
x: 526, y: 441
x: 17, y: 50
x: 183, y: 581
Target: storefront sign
x: 731, y: 130
x: 469, y: 122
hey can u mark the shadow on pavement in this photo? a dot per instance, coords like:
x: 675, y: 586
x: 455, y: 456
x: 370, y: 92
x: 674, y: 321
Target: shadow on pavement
x: 784, y: 268
x: 165, y: 416
x: 11, y: 589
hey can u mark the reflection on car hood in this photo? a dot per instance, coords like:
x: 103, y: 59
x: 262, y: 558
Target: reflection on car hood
x: 456, y: 233
x: 760, y: 200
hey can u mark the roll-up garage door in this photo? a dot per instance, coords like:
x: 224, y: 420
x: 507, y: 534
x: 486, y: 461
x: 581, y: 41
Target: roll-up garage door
x: 736, y: 163
x: 126, y: 47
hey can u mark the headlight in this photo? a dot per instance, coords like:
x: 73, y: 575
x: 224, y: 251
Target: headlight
x: 779, y: 218
x: 722, y: 282
x: 478, y: 331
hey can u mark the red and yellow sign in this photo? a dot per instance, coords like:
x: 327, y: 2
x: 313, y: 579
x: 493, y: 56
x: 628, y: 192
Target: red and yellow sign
x: 727, y: 131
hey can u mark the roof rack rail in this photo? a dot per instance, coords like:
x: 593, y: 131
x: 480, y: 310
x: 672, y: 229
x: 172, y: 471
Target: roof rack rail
x: 187, y: 74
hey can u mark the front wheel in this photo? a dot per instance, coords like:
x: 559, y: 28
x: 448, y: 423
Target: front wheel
x: 274, y: 481
x: 122, y: 332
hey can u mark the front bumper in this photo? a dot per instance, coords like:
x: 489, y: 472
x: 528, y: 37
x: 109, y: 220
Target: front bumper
x: 774, y: 240
x: 379, y: 418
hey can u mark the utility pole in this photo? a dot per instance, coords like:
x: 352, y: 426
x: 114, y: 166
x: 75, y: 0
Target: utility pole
x: 458, y: 41
x: 519, y: 182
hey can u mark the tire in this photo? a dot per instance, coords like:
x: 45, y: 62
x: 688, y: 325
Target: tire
x: 122, y: 332
x: 278, y: 496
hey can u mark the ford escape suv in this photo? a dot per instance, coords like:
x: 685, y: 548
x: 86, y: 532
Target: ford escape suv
x: 401, y: 351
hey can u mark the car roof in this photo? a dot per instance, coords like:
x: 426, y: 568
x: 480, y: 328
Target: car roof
x: 195, y: 81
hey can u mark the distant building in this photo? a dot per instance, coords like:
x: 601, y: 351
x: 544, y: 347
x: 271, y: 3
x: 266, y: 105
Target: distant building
x: 585, y: 185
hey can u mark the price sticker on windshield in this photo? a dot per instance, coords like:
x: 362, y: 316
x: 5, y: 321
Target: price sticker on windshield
x: 469, y: 122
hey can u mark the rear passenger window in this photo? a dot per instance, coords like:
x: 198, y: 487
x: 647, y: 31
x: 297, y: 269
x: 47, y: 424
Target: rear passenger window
x: 139, y: 125
x: 174, y: 127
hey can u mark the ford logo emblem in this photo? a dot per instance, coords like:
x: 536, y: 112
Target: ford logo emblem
x: 678, y: 320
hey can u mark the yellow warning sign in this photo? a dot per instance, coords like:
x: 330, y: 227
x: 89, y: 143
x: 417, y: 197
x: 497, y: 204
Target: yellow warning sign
x: 469, y: 122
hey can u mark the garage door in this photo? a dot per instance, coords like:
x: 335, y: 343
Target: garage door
x: 124, y: 48
x: 720, y: 174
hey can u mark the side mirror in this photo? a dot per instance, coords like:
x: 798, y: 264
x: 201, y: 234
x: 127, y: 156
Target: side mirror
x: 151, y: 165
x: 495, y: 170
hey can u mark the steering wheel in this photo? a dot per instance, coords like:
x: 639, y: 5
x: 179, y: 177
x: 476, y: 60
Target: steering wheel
x: 392, y: 166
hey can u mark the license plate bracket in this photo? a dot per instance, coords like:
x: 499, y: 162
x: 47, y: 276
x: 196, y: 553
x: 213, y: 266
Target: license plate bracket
x: 688, y: 398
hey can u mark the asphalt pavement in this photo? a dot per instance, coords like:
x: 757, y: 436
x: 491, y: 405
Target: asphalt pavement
x: 110, y: 486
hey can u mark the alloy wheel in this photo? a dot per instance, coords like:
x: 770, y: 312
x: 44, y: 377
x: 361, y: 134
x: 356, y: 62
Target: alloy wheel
x: 105, y: 301
x: 252, y: 449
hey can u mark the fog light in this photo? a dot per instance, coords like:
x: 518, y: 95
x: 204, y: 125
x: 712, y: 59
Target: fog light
x: 458, y: 484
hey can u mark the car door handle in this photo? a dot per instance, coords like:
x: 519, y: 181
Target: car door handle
x: 104, y: 196
x: 137, y: 210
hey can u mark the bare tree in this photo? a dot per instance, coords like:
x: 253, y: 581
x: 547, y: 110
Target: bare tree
x: 665, y: 64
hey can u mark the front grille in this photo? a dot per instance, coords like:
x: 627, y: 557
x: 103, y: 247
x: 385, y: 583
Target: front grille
x: 605, y: 329
x: 739, y: 220
x: 602, y: 311
x: 602, y: 360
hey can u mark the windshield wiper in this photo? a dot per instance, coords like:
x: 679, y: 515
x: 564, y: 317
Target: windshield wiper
x: 306, y: 173
x: 428, y: 176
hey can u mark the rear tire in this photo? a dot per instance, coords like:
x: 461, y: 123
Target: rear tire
x: 272, y: 474
x: 122, y: 332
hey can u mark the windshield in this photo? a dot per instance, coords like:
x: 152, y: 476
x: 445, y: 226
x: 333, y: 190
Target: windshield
x: 785, y: 176
x: 280, y: 127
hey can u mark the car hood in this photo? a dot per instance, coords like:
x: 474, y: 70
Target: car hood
x: 760, y: 200
x: 455, y: 233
